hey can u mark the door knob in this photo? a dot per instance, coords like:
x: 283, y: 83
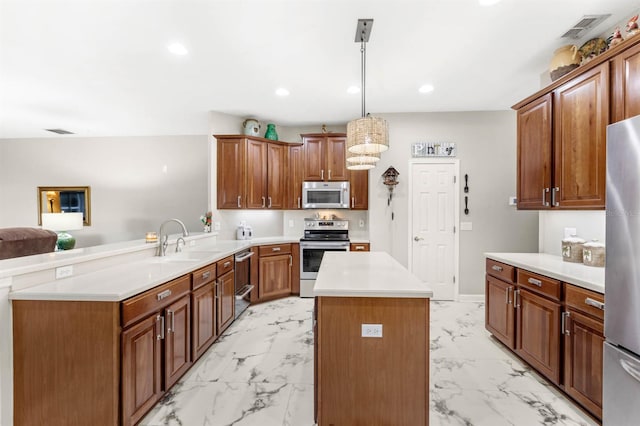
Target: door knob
x: 417, y: 238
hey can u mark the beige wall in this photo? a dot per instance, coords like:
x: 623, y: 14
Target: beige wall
x: 131, y: 189
x: 486, y: 145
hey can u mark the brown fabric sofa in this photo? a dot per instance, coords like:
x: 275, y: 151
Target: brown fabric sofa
x: 17, y: 242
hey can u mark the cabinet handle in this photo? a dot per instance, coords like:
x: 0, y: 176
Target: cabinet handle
x: 161, y: 335
x: 322, y: 174
x: 497, y: 268
x: 359, y: 248
x: 535, y: 282
x: 164, y: 294
x: 564, y: 320
x: 239, y: 197
x: 329, y: 174
x: 290, y: 260
x: 592, y: 302
x: 630, y: 369
x: 554, y: 191
x: 516, y: 299
x: 206, y: 275
x: 269, y: 202
x: 226, y: 264
x: 275, y: 249
x: 299, y: 206
x: 170, y: 328
x: 263, y: 202
x: 508, y: 301
x: 353, y: 202
x: 215, y: 289
x: 544, y: 197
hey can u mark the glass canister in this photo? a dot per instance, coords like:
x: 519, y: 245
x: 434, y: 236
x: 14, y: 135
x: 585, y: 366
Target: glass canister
x: 271, y: 132
x: 572, y: 249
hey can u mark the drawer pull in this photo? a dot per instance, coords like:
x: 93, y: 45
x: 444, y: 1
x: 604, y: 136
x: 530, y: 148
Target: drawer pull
x: 164, y: 294
x: 535, y: 282
x: 360, y: 248
x: 497, y: 268
x: 275, y: 249
x: 226, y: 264
x: 591, y: 302
x: 206, y: 275
x: 508, y: 301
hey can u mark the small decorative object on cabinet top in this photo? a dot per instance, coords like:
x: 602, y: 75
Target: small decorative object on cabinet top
x: 632, y: 27
x: 271, y: 132
x: 206, y: 221
x: 591, y: 49
x: 615, y: 38
x: 433, y: 149
x: 565, y: 59
x: 251, y: 127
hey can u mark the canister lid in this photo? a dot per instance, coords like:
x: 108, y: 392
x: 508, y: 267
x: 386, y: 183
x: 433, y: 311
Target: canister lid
x: 573, y: 239
x: 594, y: 244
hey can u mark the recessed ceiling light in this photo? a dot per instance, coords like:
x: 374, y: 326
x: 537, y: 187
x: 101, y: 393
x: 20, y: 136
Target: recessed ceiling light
x: 177, y: 49
x: 488, y: 2
x: 282, y: 92
x: 426, y: 88
x: 353, y: 90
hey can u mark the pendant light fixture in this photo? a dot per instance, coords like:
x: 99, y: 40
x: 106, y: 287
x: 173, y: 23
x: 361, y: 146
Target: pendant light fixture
x: 367, y: 136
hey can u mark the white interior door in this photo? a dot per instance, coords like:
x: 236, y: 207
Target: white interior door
x: 433, y: 217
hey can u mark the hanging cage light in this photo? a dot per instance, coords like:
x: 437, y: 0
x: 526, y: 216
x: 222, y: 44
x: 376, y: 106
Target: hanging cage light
x: 367, y: 136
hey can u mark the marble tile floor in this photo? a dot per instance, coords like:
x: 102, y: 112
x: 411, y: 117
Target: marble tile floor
x: 260, y: 373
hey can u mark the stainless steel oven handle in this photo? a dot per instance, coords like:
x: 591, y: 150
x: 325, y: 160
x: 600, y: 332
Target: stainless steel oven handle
x: 324, y: 245
x: 247, y: 291
x: 243, y: 257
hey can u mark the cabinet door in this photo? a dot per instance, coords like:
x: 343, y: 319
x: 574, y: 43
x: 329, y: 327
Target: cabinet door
x: 538, y: 333
x: 581, y: 117
x: 296, y: 177
x: 359, y: 247
x: 314, y: 159
x: 141, y: 368
x: 276, y: 180
x: 534, y: 154
x: 336, y: 150
x: 583, y: 355
x: 295, y: 268
x: 499, y: 319
x: 226, y: 301
x: 177, y: 347
x: 231, y: 179
x: 275, y: 275
x: 204, y: 319
x: 626, y: 84
x: 359, y: 189
x: 256, y: 189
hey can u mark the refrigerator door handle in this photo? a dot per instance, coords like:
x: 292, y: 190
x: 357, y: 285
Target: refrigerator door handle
x: 632, y: 370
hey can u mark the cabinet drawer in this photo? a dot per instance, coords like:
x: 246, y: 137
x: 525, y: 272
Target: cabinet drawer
x: 583, y: 300
x: 359, y: 247
x: 539, y: 284
x: 225, y: 265
x: 500, y: 270
x: 203, y: 276
x: 138, y: 307
x: 274, y: 249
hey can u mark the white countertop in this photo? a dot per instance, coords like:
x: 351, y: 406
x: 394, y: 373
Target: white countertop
x: 116, y: 283
x: 366, y: 274
x: 589, y: 277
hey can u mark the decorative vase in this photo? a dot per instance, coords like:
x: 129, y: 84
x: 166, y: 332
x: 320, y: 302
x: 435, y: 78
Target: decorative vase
x: 565, y: 59
x: 251, y: 127
x: 271, y: 132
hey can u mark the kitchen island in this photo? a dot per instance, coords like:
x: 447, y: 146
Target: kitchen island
x: 371, y: 334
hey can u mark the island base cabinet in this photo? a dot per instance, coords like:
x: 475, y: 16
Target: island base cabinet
x: 372, y: 381
x: 66, y: 358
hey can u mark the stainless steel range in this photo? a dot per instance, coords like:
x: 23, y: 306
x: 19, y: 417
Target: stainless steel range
x: 320, y: 236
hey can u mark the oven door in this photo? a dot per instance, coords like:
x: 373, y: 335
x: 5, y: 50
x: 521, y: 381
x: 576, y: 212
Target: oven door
x: 311, y: 255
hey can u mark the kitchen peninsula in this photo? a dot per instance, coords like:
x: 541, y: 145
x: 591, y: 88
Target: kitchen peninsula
x: 371, y: 334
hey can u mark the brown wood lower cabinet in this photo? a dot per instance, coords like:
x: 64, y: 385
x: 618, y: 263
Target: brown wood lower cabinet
x: 226, y: 301
x: 275, y: 271
x: 359, y: 247
x: 203, y: 303
x: 499, y: 319
x: 177, y: 353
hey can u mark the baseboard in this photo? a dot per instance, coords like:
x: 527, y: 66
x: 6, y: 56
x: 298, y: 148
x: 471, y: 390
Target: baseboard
x: 471, y: 298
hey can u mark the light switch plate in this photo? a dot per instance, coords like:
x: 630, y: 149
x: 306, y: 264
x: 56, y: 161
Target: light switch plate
x: 64, y: 271
x: 372, y: 330
x: 569, y: 232
x: 513, y: 201
x: 291, y: 223
x: 216, y: 226
x: 466, y: 226
x: 361, y: 223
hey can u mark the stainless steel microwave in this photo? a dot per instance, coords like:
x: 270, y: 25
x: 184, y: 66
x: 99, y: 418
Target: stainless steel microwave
x: 325, y: 195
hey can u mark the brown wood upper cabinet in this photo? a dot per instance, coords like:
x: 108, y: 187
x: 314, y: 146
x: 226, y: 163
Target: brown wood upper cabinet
x: 561, y: 145
x: 295, y: 177
x: 359, y: 187
x: 626, y: 84
x: 325, y: 157
x: 251, y: 172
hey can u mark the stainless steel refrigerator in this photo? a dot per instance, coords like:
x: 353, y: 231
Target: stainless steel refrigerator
x: 621, y: 380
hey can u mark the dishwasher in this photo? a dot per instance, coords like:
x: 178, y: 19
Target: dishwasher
x: 243, y: 284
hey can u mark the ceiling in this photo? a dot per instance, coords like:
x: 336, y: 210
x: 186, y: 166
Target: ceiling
x: 102, y: 68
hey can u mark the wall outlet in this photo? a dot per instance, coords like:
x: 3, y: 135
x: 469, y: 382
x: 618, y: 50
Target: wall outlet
x: 64, y: 271
x: 569, y: 232
x: 372, y: 330
x: 291, y: 223
x: 361, y: 223
x: 513, y: 201
x: 216, y: 226
x: 466, y: 226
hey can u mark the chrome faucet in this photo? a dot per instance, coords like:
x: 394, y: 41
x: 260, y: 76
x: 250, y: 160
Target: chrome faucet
x: 164, y: 238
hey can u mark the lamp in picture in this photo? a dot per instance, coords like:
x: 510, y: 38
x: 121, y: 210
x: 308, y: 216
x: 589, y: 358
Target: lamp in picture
x: 62, y: 223
x: 366, y: 136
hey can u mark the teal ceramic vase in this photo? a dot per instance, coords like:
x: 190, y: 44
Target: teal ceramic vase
x: 271, y: 132
x: 65, y: 241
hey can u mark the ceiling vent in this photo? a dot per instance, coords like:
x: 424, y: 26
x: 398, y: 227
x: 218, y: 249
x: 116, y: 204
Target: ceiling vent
x: 60, y: 131
x: 585, y: 24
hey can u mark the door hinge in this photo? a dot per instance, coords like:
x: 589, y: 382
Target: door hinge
x: 454, y: 178
x: 454, y: 229
x: 454, y: 279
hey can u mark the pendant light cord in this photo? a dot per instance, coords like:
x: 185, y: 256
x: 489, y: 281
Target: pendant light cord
x: 363, y: 74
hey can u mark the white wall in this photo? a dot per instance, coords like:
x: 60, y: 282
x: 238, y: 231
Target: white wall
x: 589, y: 225
x: 486, y: 145
x: 136, y: 182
